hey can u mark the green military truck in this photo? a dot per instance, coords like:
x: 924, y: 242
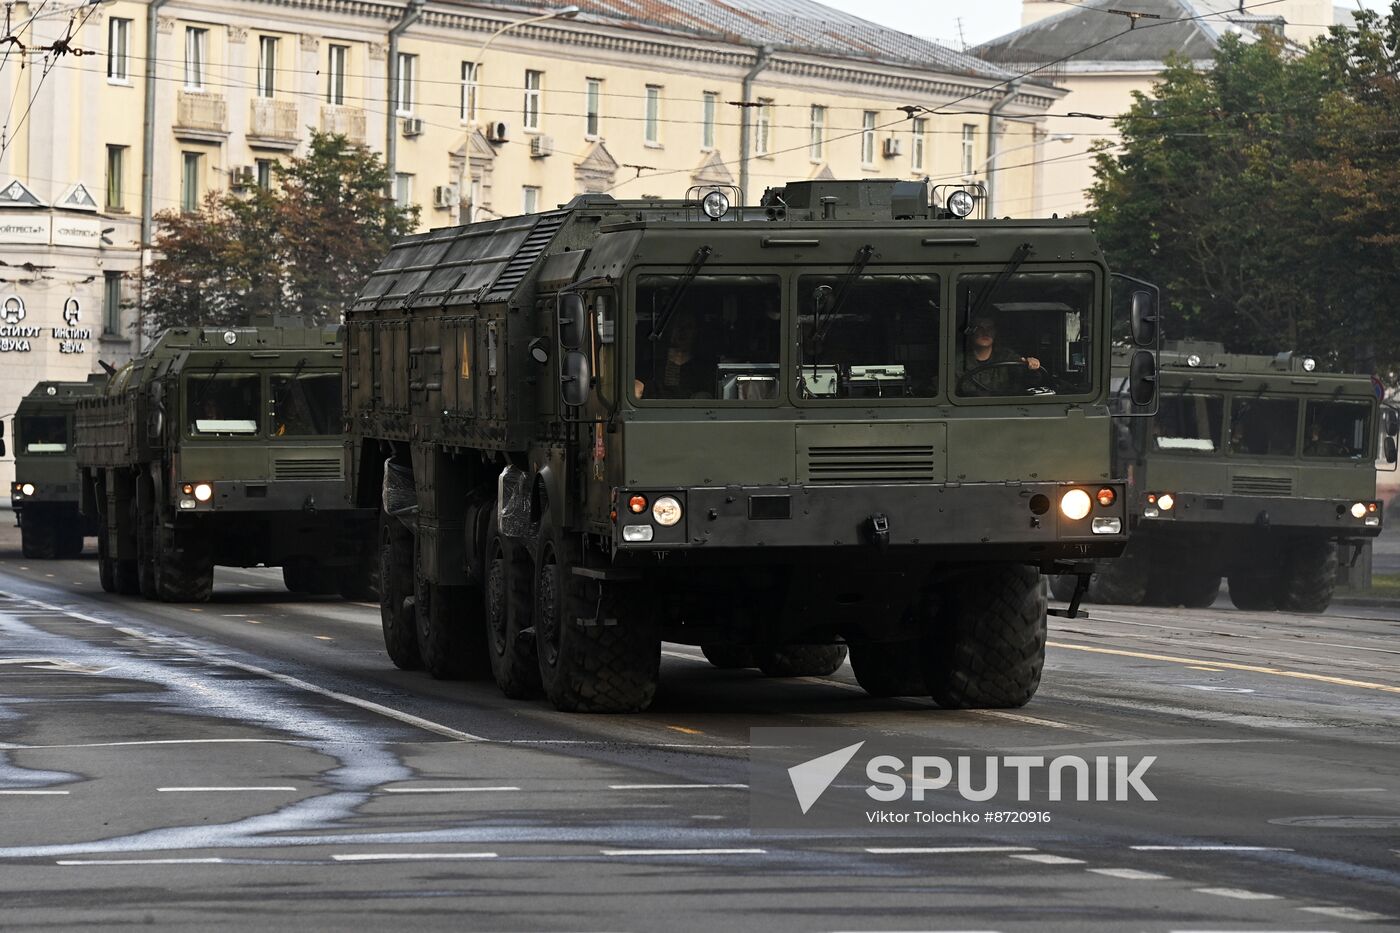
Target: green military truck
x: 840, y: 418
x: 1260, y: 469
x: 44, y: 493
x: 223, y: 446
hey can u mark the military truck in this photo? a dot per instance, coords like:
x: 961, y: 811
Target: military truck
x: 1260, y: 469
x: 223, y: 446
x: 768, y: 431
x: 44, y: 493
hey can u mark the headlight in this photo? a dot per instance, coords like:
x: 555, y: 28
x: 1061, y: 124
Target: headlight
x: 666, y: 511
x: 1107, y: 526
x: 1358, y: 510
x: 1075, y: 504
x: 637, y: 532
x: 27, y: 489
x: 1309, y: 364
x: 203, y: 492
x: 715, y: 205
x: 1193, y: 360
x: 1166, y: 501
x: 960, y: 203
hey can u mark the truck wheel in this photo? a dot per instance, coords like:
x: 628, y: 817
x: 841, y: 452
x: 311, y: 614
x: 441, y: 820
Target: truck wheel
x: 984, y: 647
x: 799, y: 660
x: 145, y: 556
x: 359, y: 583
x: 599, y: 647
x: 890, y: 668
x: 70, y: 538
x: 106, y: 566
x: 295, y: 576
x: 184, y: 567
x: 1194, y: 589
x: 1254, y: 591
x: 1062, y: 586
x: 729, y: 657
x: 395, y: 582
x: 509, y: 604
x: 1311, y: 576
x: 38, y: 538
x: 1123, y: 580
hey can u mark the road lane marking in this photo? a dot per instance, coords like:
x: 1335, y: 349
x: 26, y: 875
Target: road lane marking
x: 685, y: 729
x: 613, y: 852
x: 34, y: 793
x: 1346, y: 913
x: 1357, y: 790
x: 1228, y: 665
x: 1212, y: 670
x: 217, y: 790
x: 443, y: 790
x: 1239, y: 894
x: 142, y: 861
x: 1221, y: 848
x: 943, y: 850
x: 157, y: 742
x: 1129, y: 743
x: 1130, y: 874
x: 409, y: 856
x: 1030, y: 720
x: 678, y: 787
x: 1044, y: 859
x: 323, y: 638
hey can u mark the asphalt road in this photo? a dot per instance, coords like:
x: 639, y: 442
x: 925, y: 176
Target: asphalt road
x: 256, y: 762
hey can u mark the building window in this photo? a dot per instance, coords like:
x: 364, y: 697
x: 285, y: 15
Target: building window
x: 969, y: 147
x: 916, y: 151
x: 469, y: 85
x: 336, y: 60
x: 707, y: 133
x: 403, y: 190
x: 407, y: 65
x: 116, y: 176
x: 196, y: 57
x: 653, y: 115
x: 817, y: 145
x: 531, y: 112
x: 267, y: 66
x: 867, y: 138
x: 190, y: 181
x: 264, y: 169
x: 592, y: 104
x: 111, y: 304
x: 118, y: 46
x: 763, y: 135
x: 529, y: 199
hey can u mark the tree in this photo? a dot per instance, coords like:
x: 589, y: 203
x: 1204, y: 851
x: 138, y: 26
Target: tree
x: 1257, y: 194
x: 301, y: 248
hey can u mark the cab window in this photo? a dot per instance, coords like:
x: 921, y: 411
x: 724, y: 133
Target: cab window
x: 1188, y: 424
x: 1338, y: 430
x: 1264, y: 427
x: 223, y: 404
x: 305, y: 405
x: 1025, y: 334
x: 875, y: 336
x: 713, y: 337
x: 44, y: 434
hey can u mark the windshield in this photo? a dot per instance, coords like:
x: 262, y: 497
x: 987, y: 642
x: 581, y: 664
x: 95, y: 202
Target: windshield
x: 306, y: 405
x: 1340, y: 430
x: 43, y: 434
x: 223, y: 404
x: 1028, y: 333
x: 1264, y: 427
x: 713, y: 337
x: 1188, y: 423
x: 878, y: 339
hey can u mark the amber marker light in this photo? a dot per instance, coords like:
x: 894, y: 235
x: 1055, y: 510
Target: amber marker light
x: 637, y: 504
x: 1106, y: 497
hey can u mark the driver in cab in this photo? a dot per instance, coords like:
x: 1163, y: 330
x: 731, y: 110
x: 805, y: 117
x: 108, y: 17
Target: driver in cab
x: 990, y: 369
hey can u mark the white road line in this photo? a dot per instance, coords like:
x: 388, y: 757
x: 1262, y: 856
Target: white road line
x: 1130, y: 874
x: 217, y: 790
x: 442, y: 790
x: 153, y: 742
x: 1209, y: 849
x: 142, y: 861
x: 943, y: 850
x: 1032, y: 720
x: 1051, y: 859
x: 410, y: 856
x: 35, y: 793
x: 1142, y: 743
x: 1239, y: 894
x: 1357, y: 790
x: 1346, y: 913
x: 612, y: 852
x: 678, y: 787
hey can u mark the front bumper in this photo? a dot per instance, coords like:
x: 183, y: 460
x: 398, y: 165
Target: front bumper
x: 1003, y: 521
x: 1197, y: 511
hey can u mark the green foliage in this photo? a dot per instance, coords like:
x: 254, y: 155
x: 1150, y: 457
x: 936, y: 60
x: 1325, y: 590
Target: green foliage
x: 1261, y: 195
x: 301, y: 248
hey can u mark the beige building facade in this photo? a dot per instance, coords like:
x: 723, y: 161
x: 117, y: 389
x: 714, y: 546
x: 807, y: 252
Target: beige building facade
x: 182, y: 97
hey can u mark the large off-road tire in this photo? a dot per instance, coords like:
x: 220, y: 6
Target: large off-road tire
x: 1254, y: 591
x: 38, y: 537
x: 1122, y: 581
x: 599, y: 645
x: 184, y: 567
x: 359, y: 582
x: 106, y: 565
x: 729, y: 657
x: 70, y: 538
x: 1310, y: 576
x: 889, y: 668
x: 1062, y: 586
x: 395, y: 587
x: 509, y: 604
x: 146, y: 554
x: 1190, y: 587
x: 799, y: 660
x: 306, y: 575
x: 984, y: 641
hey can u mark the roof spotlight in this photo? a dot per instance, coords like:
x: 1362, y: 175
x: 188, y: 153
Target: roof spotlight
x: 1309, y: 364
x: 960, y: 203
x: 715, y: 205
x: 1193, y: 360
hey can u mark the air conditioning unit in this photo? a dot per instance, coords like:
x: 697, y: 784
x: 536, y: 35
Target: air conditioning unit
x: 541, y: 146
x: 894, y: 147
x: 445, y: 196
x: 242, y: 176
x: 497, y: 131
x: 413, y: 126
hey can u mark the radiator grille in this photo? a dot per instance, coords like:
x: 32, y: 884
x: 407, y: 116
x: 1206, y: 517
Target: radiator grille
x: 328, y: 468
x: 903, y: 464
x: 1262, y: 486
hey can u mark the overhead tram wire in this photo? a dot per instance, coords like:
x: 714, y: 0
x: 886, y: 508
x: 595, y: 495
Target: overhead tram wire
x: 59, y: 49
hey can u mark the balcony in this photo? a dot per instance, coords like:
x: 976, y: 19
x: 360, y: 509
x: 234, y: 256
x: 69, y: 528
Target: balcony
x: 201, y: 116
x: 346, y: 121
x: 273, y: 124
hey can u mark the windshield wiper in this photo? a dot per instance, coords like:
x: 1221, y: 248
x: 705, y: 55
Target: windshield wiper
x: 208, y: 384
x: 980, y: 305
x: 658, y: 329
x: 822, y: 324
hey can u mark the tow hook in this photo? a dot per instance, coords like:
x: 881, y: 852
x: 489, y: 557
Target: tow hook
x: 309, y: 505
x: 880, y: 530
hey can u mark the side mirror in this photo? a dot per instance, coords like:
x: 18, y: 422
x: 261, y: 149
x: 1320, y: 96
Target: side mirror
x: 1392, y: 422
x: 2, y: 448
x: 575, y: 378
x: 1392, y: 450
x: 573, y: 319
x: 1144, y: 318
x: 1142, y: 378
